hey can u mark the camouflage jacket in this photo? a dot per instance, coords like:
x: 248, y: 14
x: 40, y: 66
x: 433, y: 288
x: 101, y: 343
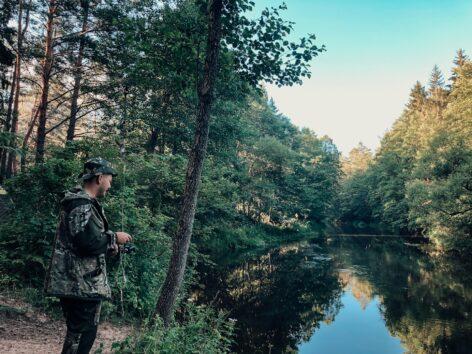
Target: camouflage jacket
x: 78, y: 267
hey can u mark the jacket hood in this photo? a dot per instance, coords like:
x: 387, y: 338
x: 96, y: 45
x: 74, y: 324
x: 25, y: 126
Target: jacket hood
x: 75, y: 193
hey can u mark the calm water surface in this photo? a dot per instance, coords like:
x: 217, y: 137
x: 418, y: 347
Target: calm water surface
x: 350, y: 295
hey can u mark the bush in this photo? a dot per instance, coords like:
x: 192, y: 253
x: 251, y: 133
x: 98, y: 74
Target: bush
x: 26, y: 239
x: 201, y: 330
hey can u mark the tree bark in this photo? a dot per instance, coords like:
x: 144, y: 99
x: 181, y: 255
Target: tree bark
x: 153, y: 141
x: 46, y: 75
x: 78, y: 73
x: 10, y: 101
x: 122, y: 124
x: 12, y: 163
x: 7, y: 127
x: 181, y: 240
x: 29, y: 131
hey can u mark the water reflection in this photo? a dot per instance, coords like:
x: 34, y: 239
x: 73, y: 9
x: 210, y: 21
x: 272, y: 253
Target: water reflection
x: 278, y: 299
x: 425, y: 302
x: 286, y: 299
x: 358, y: 328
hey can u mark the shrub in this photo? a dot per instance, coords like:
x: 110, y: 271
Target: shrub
x: 201, y: 330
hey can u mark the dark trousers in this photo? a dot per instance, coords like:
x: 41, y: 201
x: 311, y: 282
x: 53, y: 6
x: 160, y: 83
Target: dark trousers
x: 82, y: 318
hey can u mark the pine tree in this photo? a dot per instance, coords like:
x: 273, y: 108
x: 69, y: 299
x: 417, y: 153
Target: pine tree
x: 7, y: 89
x: 6, y: 33
x: 417, y: 97
x: 358, y: 160
x: 437, y: 80
x: 461, y: 58
x: 459, y: 61
x: 46, y: 76
x: 8, y: 161
x: 78, y: 71
x: 437, y: 91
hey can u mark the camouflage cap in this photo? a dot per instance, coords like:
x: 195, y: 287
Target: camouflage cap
x: 97, y: 166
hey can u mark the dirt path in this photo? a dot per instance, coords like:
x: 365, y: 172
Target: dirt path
x: 26, y: 330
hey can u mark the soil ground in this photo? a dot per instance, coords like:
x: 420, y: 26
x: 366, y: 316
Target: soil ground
x: 24, y: 329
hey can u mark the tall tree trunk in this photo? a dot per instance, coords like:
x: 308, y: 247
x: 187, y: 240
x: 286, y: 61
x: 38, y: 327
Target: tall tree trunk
x: 181, y: 240
x: 153, y: 141
x: 122, y: 124
x: 161, y: 143
x: 78, y: 73
x: 29, y: 131
x: 10, y: 101
x: 7, y: 127
x: 11, y: 164
x: 46, y: 76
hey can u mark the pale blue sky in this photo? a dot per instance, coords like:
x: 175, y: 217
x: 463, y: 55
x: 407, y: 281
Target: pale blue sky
x: 376, y: 50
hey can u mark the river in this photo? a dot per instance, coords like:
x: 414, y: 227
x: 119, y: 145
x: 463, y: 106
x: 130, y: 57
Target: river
x: 346, y: 295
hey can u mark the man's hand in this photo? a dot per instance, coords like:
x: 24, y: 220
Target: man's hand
x: 123, y: 237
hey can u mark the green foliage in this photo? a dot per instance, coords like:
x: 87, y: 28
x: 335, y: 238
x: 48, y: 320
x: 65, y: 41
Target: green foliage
x: 6, y: 32
x: 358, y: 160
x: 419, y: 180
x: 261, y: 48
x: 388, y: 195
x: 440, y: 195
x: 354, y: 203
x: 29, y: 234
x: 201, y: 330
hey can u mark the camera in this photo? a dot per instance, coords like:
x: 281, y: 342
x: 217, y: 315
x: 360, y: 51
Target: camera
x: 128, y: 248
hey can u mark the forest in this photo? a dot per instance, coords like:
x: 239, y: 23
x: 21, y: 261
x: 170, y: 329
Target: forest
x: 172, y: 93
x: 419, y: 181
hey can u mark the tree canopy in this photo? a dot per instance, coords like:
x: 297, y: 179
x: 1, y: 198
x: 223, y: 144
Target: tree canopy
x: 419, y: 179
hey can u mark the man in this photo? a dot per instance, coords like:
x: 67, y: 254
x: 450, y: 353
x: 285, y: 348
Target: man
x: 77, y: 272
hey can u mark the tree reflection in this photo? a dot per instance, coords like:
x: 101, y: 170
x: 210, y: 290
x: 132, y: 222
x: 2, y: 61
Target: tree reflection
x: 426, y: 302
x: 278, y: 299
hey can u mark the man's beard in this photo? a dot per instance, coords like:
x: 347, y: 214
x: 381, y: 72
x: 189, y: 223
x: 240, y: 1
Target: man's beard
x: 101, y: 192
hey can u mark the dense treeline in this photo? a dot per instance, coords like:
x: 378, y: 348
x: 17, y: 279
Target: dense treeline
x: 129, y: 81
x: 419, y: 180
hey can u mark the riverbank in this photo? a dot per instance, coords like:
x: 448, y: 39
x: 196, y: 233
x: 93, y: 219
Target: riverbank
x: 28, y: 329
x: 258, y: 237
